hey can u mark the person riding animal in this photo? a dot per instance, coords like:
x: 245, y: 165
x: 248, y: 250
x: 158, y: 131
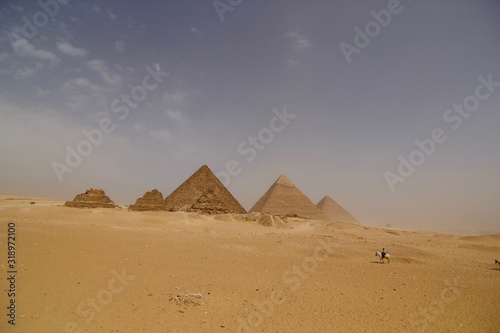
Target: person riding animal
x: 383, y: 253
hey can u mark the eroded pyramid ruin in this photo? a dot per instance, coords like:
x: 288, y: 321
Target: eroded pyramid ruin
x: 92, y: 198
x: 203, y: 192
x: 283, y: 198
x: 334, y: 211
x: 150, y: 201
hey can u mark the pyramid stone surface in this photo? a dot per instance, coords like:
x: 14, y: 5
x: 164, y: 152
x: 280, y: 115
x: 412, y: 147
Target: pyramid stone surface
x: 284, y: 199
x: 203, y: 192
x: 92, y: 198
x: 150, y: 201
x: 334, y: 211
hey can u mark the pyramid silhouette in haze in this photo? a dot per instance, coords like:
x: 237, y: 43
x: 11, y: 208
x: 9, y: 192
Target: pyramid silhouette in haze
x: 283, y: 198
x: 335, y: 212
x: 203, y: 192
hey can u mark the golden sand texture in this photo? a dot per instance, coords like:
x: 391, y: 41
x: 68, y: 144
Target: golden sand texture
x: 113, y: 270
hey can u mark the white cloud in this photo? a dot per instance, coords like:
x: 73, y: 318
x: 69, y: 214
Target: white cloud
x: 112, y: 16
x: 175, y: 115
x: 80, y: 82
x: 299, y: 41
x: 138, y: 127
x: 66, y: 48
x: 25, y: 49
x: 161, y: 135
x: 26, y: 72
x: 101, y: 67
x: 65, y: 30
x: 120, y: 46
x: 78, y: 102
x: 112, y: 79
x: 196, y: 32
x: 97, y: 65
x: 176, y: 97
x: 16, y: 7
x: 39, y: 92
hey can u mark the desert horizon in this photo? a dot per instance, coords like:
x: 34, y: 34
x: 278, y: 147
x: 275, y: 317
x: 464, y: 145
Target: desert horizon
x: 438, y: 228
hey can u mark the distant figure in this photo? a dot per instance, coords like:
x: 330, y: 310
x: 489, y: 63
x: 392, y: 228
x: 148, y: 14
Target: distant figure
x: 32, y: 203
x: 383, y: 256
x: 497, y: 262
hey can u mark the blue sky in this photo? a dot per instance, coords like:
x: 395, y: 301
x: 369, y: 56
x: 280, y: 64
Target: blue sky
x: 68, y: 68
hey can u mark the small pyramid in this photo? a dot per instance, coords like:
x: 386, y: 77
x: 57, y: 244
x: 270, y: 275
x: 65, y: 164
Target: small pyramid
x: 284, y: 199
x: 203, y: 192
x: 150, y: 201
x: 92, y: 198
x: 334, y: 211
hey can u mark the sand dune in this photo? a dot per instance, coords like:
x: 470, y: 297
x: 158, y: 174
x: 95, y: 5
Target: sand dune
x: 113, y: 270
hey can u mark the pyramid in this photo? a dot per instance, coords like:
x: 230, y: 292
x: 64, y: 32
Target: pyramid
x: 334, y: 211
x: 203, y: 192
x: 150, y: 201
x: 284, y: 199
x: 92, y: 198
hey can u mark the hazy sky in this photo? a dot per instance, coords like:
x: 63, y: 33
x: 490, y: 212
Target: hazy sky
x: 332, y: 94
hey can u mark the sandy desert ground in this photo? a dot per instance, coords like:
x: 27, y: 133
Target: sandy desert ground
x: 111, y: 270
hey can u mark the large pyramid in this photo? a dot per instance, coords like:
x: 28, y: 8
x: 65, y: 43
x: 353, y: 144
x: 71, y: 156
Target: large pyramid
x: 92, y: 198
x: 283, y: 199
x: 203, y: 192
x: 150, y: 201
x: 334, y: 211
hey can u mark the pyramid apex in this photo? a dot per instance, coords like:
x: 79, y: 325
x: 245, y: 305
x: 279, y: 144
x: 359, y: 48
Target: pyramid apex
x: 282, y: 180
x: 203, y: 192
x: 204, y: 169
x: 283, y: 198
x: 326, y: 198
x: 335, y: 211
